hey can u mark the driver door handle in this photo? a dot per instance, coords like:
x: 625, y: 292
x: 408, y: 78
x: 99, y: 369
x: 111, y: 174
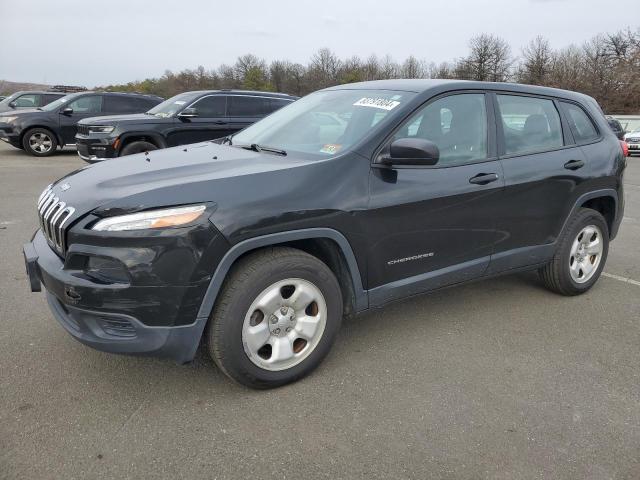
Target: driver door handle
x: 484, y: 178
x: 574, y: 164
x: 220, y: 122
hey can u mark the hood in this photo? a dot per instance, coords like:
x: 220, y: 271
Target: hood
x: 129, y: 119
x: 172, y: 176
x: 10, y: 112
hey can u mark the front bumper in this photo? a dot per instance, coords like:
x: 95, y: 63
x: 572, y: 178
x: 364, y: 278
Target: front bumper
x: 7, y: 134
x: 94, y: 150
x: 633, y: 147
x: 105, y: 317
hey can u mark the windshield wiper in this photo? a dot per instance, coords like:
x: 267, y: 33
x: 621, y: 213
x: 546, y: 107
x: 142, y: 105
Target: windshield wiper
x: 227, y: 140
x: 262, y: 148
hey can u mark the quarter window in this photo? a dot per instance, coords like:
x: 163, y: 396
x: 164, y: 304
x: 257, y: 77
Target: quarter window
x: 581, y: 125
x: 457, y: 124
x: 88, y: 104
x: 529, y: 124
x: 211, y: 106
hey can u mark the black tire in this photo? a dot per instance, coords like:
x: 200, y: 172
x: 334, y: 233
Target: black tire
x: 556, y: 274
x: 137, y: 147
x: 39, y: 142
x: 245, y: 282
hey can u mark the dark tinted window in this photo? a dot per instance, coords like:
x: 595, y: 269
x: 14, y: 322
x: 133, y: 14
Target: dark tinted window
x: 121, y: 104
x: 457, y: 124
x: 211, y: 106
x: 273, y: 104
x: 530, y: 124
x: 241, y: 106
x: 47, y: 98
x: 581, y: 125
x: 88, y: 104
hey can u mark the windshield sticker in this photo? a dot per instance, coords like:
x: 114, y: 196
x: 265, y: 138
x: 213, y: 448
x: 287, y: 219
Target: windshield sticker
x: 381, y: 103
x: 179, y: 102
x: 330, y: 148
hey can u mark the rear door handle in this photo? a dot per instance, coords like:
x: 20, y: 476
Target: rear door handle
x: 219, y: 122
x: 574, y: 164
x: 483, y: 178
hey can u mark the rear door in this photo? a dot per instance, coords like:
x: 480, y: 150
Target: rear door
x: 83, y: 107
x: 543, y: 168
x: 209, y: 123
x: 436, y: 225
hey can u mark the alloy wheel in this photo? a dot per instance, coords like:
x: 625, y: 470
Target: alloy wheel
x: 40, y: 142
x: 586, y: 254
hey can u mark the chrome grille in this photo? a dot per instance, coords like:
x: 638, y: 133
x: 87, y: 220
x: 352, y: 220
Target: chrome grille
x: 633, y: 139
x: 53, y: 215
x: 83, y: 129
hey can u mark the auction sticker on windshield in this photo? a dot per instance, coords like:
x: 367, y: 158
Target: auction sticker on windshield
x: 381, y: 103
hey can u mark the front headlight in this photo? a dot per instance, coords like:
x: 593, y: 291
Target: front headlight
x: 100, y: 128
x: 167, y: 217
x: 7, y: 119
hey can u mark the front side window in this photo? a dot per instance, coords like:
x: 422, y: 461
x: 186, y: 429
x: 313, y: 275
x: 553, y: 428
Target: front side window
x: 581, y: 125
x: 325, y: 123
x: 87, y: 104
x: 457, y: 124
x: 29, y: 100
x: 529, y: 124
x: 211, y: 106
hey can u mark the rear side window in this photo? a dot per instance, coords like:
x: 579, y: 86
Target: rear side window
x: 529, y: 124
x: 273, y: 104
x: 241, y: 106
x: 457, y: 124
x: 582, y: 127
x: 47, y: 98
x: 211, y: 106
x: 121, y: 104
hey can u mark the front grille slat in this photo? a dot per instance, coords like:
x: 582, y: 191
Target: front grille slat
x: 54, y: 215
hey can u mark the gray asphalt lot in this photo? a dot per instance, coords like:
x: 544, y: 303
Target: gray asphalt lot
x: 495, y: 380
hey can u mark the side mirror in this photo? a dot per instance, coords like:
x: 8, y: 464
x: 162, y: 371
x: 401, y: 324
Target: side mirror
x: 12, y: 104
x: 66, y: 111
x: 188, y: 112
x: 412, y: 151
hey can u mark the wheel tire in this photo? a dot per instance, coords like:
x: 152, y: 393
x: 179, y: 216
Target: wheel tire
x: 556, y: 275
x: 39, y: 142
x: 250, y: 278
x: 137, y: 147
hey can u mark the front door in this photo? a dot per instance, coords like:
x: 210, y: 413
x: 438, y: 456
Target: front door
x: 82, y: 107
x: 210, y: 122
x: 434, y: 226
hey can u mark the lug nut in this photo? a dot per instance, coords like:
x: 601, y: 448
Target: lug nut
x: 277, y: 331
x: 274, y: 319
x: 283, y: 310
x: 288, y: 329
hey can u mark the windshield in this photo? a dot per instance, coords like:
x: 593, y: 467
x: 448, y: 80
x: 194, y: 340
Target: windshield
x: 170, y: 107
x: 324, y: 123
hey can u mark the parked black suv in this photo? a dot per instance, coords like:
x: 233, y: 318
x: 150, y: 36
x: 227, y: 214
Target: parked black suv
x: 186, y: 118
x: 28, y: 99
x: 345, y: 200
x: 40, y: 131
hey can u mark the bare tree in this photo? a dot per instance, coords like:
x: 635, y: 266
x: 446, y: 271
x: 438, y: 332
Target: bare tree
x: 537, y: 61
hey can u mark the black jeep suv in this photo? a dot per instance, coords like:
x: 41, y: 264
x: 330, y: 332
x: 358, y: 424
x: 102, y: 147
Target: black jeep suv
x: 186, y: 118
x: 40, y: 131
x: 345, y: 200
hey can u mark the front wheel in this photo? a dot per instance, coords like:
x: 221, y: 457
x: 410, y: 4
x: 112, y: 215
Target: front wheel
x: 276, y: 318
x: 39, y: 142
x: 137, y: 147
x: 580, y: 256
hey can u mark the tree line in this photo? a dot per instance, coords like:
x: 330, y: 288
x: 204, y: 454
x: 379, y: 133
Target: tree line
x: 607, y: 67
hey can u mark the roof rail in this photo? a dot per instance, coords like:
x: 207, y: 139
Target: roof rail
x: 67, y: 89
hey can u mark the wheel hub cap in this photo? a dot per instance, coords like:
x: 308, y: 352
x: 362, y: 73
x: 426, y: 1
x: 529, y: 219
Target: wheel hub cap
x: 284, y: 324
x: 586, y: 254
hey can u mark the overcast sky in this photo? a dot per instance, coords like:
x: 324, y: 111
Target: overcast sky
x: 89, y: 42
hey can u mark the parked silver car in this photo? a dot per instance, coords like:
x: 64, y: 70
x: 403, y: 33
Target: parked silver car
x: 633, y: 142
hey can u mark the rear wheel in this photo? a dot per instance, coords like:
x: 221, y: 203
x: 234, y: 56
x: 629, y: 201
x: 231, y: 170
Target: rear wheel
x: 276, y: 318
x: 137, y: 147
x: 39, y: 142
x: 580, y: 256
